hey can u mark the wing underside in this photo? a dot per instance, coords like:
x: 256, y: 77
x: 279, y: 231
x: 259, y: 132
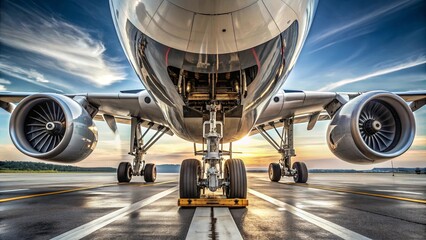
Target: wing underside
x: 310, y: 107
x: 109, y: 107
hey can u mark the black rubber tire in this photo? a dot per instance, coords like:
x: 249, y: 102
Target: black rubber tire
x: 235, y: 173
x: 274, y: 172
x: 124, y: 172
x: 150, y: 173
x: 302, y: 172
x: 190, y: 173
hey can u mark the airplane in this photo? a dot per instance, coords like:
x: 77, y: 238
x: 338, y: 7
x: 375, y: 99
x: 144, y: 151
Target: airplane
x: 213, y: 73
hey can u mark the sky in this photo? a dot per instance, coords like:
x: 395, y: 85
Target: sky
x: 71, y: 47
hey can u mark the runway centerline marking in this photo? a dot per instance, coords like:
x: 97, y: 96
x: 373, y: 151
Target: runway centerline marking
x: 320, y: 222
x: 213, y: 223
x: 342, y: 190
x: 73, y: 190
x: 13, y: 190
x: 200, y: 224
x: 225, y: 225
x: 90, y: 227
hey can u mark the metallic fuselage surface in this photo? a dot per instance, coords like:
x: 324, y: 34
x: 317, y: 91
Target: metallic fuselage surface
x: 212, y: 38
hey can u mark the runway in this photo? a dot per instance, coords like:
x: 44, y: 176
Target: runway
x: 94, y: 206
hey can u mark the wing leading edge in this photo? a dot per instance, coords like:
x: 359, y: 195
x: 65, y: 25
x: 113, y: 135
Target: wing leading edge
x: 310, y: 106
x: 109, y: 107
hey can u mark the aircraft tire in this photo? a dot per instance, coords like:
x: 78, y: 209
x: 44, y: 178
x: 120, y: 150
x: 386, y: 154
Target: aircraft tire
x: 190, y: 172
x: 235, y: 173
x: 124, y: 172
x: 302, y: 172
x: 150, y: 173
x: 274, y: 171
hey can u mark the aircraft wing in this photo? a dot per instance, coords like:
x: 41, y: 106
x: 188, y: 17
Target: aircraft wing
x: 109, y: 107
x: 310, y: 107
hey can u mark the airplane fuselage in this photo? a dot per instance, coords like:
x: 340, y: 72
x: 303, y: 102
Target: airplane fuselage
x: 189, y: 54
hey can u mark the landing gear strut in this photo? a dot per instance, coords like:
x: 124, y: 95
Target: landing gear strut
x: 138, y: 149
x: 298, y: 171
x: 196, y: 176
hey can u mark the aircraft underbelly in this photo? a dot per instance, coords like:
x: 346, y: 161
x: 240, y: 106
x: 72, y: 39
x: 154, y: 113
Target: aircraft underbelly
x: 188, y: 58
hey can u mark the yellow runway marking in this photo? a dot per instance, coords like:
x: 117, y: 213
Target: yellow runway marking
x: 76, y: 190
x: 359, y: 193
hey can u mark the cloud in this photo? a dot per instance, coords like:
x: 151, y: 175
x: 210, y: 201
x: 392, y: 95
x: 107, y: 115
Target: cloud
x: 27, y: 75
x: 33, y: 74
x: 377, y: 73
x: 3, y: 82
x: 353, y: 35
x: 70, y: 48
x: 358, y: 26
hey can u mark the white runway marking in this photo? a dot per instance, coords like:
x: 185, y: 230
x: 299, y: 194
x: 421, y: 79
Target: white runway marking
x: 200, y: 224
x: 320, y: 222
x: 90, y: 227
x: 13, y: 190
x: 397, y: 191
x: 208, y: 221
x: 225, y: 225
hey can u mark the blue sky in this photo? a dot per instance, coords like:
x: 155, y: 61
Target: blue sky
x: 71, y: 46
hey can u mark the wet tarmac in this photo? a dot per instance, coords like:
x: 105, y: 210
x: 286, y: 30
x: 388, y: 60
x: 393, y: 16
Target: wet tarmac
x: 330, y: 206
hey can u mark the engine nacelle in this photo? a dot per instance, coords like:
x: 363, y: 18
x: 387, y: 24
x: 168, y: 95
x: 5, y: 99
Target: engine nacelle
x: 371, y: 128
x: 53, y: 127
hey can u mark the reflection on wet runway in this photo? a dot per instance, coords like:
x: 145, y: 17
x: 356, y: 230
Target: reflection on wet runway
x: 330, y: 206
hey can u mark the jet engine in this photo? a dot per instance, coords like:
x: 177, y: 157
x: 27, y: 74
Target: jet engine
x: 371, y: 128
x: 53, y: 127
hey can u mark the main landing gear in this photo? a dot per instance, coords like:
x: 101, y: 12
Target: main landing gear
x: 211, y: 173
x: 138, y: 149
x: 298, y: 170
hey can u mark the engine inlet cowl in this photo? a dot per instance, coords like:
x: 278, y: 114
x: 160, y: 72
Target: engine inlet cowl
x: 52, y: 127
x: 372, y: 128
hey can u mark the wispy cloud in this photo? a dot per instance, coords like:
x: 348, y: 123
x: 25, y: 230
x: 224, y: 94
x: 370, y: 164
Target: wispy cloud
x: 37, y: 76
x: 4, y: 82
x: 384, y: 71
x: 28, y: 75
x: 70, y: 48
x: 340, y: 39
x: 358, y: 26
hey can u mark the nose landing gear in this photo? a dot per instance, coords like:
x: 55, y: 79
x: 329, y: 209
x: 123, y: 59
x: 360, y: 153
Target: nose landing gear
x: 211, y: 173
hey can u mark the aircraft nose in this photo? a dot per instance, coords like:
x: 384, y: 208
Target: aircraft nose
x: 209, y: 27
